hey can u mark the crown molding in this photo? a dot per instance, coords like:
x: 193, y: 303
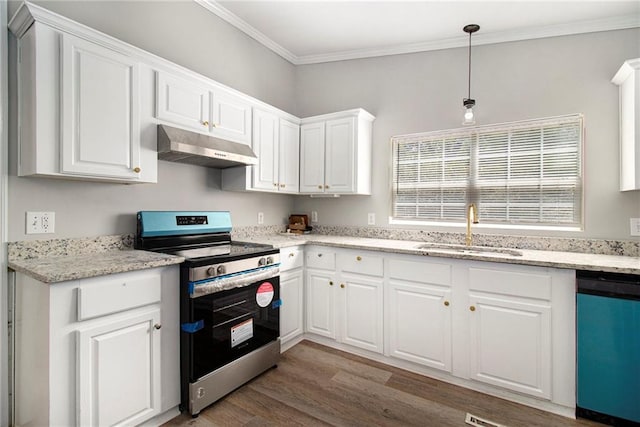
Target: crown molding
x: 581, y: 27
x: 223, y: 13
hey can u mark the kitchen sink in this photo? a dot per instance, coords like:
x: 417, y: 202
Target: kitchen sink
x: 468, y: 249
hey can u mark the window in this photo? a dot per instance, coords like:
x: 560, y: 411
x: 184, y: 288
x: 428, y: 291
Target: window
x: 524, y: 173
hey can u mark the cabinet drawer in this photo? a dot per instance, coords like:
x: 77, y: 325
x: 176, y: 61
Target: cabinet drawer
x: 321, y: 259
x: 290, y: 258
x: 519, y: 283
x: 424, y: 271
x: 360, y: 263
x: 99, y: 297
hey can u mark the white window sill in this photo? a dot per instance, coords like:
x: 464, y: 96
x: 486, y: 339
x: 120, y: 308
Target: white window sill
x: 393, y: 221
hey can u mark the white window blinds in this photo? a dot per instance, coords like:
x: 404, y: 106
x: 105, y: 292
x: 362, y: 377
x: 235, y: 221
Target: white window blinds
x: 518, y: 173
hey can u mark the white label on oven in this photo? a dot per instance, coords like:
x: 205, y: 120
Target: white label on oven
x: 264, y: 294
x: 241, y: 332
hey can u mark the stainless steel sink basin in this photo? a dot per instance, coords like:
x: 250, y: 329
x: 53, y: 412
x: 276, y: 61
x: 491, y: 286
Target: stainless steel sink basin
x: 468, y: 249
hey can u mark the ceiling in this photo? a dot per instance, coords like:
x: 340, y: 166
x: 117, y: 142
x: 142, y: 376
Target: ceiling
x: 306, y: 32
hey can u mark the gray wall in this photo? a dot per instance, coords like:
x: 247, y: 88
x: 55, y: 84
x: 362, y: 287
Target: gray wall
x: 189, y: 35
x: 511, y: 81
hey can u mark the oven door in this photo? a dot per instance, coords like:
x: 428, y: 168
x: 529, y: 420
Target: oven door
x: 236, y: 322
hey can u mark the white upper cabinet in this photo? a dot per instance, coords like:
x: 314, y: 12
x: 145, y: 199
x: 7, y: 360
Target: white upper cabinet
x: 183, y: 102
x: 276, y: 142
x: 190, y: 103
x: 628, y: 80
x: 99, y: 122
x: 79, y: 102
x: 335, y: 153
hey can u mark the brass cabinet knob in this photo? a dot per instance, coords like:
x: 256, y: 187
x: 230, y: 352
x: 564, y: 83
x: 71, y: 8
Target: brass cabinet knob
x: 446, y: 303
x: 472, y: 308
x: 320, y: 187
x: 205, y: 123
x: 291, y: 255
x: 282, y: 185
x: 326, y: 186
x: 359, y: 258
x: 157, y: 326
x: 330, y: 283
x: 214, y: 125
x: 275, y: 184
x: 342, y: 285
x: 137, y: 169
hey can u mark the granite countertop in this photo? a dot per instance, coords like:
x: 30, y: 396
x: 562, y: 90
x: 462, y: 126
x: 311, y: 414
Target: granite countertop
x: 79, y: 266
x: 569, y: 260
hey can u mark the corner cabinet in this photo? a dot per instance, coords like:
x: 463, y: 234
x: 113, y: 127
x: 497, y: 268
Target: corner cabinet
x: 79, y: 101
x: 80, y: 343
x: 276, y: 142
x: 628, y: 80
x: 335, y: 153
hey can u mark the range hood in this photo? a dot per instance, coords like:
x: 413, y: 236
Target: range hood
x: 179, y: 145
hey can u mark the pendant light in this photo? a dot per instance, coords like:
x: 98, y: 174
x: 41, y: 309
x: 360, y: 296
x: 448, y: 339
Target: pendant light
x: 468, y: 102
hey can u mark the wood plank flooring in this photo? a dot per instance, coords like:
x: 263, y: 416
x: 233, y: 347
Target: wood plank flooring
x: 314, y: 385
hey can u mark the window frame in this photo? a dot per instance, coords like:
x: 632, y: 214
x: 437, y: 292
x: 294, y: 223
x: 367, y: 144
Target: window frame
x: 473, y: 132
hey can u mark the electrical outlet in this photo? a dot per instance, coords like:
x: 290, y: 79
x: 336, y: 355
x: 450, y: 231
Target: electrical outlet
x: 314, y: 216
x: 635, y: 226
x: 371, y: 218
x: 260, y: 218
x: 40, y: 222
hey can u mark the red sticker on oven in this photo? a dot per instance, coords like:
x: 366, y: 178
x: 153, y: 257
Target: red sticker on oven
x: 264, y: 294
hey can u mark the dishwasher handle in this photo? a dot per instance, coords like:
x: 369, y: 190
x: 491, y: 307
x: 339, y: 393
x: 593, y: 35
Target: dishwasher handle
x: 614, y: 285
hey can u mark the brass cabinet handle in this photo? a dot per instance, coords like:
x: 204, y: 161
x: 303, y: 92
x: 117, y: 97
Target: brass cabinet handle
x: 214, y: 125
x: 137, y: 169
x: 330, y: 283
x: 275, y: 184
x: 320, y: 255
x: 292, y: 255
x: 446, y: 303
x: 320, y: 187
x: 472, y: 308
x: 342, y: 285
x: 157, y: 326
x: 282, y: 185
x: 359, y: 258
x: 326, y: 186
x: 205, y: 123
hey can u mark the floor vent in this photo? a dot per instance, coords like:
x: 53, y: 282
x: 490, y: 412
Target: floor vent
x: 479, y: 422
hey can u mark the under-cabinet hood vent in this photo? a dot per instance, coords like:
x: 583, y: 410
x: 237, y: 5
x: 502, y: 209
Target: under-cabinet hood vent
x: 179, y: 145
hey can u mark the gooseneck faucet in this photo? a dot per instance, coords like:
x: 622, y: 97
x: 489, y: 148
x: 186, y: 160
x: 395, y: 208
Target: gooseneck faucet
x: 472, y: 217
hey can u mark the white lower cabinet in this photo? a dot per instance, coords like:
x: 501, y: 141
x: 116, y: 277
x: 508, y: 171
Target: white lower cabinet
x: 98, y: 351
x: 121, y: 356
x: 496, y: 327
x: 419, y: 312
x: 341, y: 303
x: 292, y: 296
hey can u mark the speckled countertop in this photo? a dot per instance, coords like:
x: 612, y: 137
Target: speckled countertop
x: 59, y: 260
x: 569, y: 260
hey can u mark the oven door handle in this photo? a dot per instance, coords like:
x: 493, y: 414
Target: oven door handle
x: 199, y: 289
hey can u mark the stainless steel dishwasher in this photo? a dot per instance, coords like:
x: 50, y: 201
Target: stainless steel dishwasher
x: 608, y: 347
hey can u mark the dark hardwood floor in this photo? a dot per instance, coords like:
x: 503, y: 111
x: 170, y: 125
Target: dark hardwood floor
x: 318, y: 386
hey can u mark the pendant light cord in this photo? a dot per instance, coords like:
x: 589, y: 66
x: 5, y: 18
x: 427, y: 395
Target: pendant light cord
x: 469, y: 96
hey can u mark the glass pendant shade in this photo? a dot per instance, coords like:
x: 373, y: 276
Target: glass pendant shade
x: 469, y: 119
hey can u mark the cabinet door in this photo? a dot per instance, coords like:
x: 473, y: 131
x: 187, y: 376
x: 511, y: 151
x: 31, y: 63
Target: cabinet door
x: 292, y: 303
x: 312, y: 158
x: 100, y: 126
x: 420, y: 324
x: 183, y: 102
x: 122, y: 356
x: 320, y: 303
x: 265, y: 145
x: 361, y: 317
x: 510, y: 344
x: 289, y: 162
x: 340, y: 174
x: 231, y: 117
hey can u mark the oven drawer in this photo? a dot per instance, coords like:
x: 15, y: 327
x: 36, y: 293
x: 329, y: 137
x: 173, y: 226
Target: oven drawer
x: 118, y: 292
x: 325, y: 260
x: 291, y: 258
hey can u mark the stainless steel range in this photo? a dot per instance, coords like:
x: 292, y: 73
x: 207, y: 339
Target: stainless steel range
x: 229, y: 302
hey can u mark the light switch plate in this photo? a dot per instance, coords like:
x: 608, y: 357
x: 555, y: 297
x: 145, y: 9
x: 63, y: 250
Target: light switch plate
x: 40, y: 222
x: 314, y: 216
x: 371, y: 219
x: 634, y: 226
x: 260, y: 217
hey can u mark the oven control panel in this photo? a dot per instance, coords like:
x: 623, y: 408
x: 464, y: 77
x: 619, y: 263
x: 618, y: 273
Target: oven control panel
x: 233, y: 267
x: 191, y: 220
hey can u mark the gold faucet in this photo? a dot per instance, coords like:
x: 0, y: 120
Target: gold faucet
x: 472, y: 216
